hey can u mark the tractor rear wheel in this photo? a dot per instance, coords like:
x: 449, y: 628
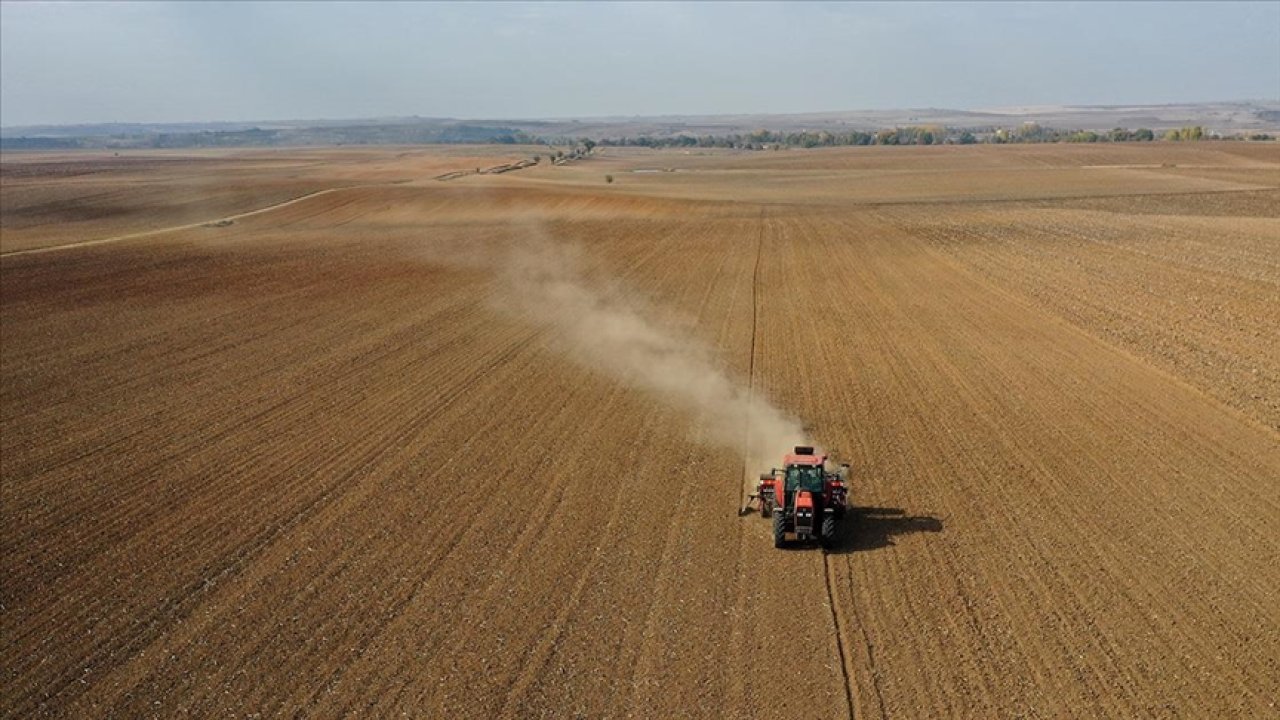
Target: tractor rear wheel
x: 828, y: 538
x: 779, y: 529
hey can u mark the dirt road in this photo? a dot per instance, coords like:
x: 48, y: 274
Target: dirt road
x: 310, y: 464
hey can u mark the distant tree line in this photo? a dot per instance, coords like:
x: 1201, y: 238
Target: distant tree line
x: 283, y: 137
x: 918, y: 135
x: 762, y: 139
x: 575, y: 148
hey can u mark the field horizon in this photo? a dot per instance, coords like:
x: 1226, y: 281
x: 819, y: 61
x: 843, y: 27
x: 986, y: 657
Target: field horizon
x: 1226, y: 118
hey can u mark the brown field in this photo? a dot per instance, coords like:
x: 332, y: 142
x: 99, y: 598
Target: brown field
x: 328, y: 460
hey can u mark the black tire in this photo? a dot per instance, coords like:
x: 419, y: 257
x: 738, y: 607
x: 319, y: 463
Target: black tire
x: 828, y: 537
x: 766, y: 508
x: 779, y: 529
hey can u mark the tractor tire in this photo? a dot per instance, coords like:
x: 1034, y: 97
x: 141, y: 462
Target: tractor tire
x: 779, y: 530
x: 828, y: 536
x: 766, y: 509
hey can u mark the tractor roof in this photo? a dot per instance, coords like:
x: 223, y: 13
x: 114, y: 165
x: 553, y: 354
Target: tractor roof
x: 804, y: 459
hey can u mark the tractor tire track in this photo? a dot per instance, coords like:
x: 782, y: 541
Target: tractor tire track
x: 737, y: 639
x: 839, y: 633
x: 166, y: 230
x: 832, y: 599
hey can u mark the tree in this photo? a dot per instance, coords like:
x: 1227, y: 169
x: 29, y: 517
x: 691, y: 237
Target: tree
x: 1029, y: 132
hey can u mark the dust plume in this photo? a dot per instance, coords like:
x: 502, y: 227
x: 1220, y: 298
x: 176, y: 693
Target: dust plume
x: 596, y: 324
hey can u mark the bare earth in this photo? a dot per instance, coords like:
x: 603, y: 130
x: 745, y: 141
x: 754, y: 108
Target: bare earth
x: 306, y: 463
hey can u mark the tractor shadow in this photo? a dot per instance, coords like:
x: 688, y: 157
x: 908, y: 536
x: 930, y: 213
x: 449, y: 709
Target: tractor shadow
x: 872, y: 528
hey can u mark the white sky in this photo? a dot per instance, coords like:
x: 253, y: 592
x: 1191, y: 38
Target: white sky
x: 202, y: 61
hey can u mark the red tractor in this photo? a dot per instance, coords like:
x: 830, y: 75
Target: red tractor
x: 804, y: 499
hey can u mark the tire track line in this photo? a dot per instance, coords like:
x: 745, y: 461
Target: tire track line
x: 163, y: 230
x: 850, y: 691
x: 737, y: 635
x: 841, y: 646
x: 751, y: 359
x: 190, y: 226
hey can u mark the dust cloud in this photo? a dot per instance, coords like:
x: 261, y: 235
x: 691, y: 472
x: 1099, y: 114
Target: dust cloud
x: 597, y: 325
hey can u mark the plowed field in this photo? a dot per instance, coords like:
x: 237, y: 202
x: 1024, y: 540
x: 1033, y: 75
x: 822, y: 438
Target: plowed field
x: 340, y: 456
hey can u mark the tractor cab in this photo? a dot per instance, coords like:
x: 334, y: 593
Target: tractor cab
x: 804, y: 477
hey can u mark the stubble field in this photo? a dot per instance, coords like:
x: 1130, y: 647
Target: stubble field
x: 343, y: 456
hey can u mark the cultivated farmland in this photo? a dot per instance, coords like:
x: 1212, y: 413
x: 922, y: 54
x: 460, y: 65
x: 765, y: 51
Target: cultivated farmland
x: 302, y: 432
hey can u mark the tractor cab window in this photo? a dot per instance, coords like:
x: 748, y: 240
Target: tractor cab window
x: 804, y: 478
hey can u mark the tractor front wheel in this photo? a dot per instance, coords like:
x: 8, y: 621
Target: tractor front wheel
x: 779, y: 529
x: 766, y: 508
x: 828, y: 538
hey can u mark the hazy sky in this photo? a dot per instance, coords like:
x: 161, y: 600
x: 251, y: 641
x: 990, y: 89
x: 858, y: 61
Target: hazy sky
x: 156, y: 62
